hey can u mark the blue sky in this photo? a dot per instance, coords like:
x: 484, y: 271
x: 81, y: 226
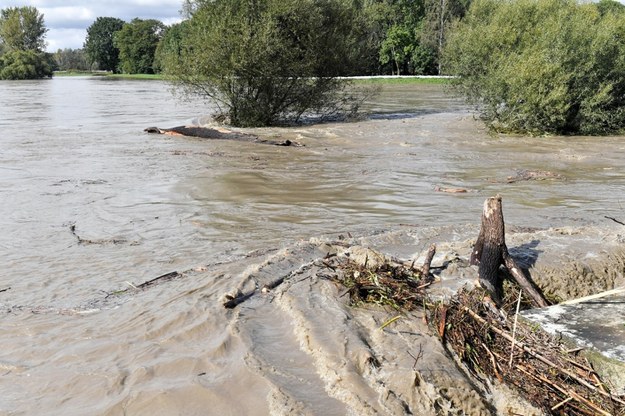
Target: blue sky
x: 67, y: 20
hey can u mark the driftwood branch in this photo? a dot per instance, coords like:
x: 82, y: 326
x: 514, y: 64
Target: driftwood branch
x: 425, y: 269
x: 615, y: 220
x: 161, y: 278
x: 232, y: 301
x: 490, y: 252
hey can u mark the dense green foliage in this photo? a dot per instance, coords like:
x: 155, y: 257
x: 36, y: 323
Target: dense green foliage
x: 22, y: 29
x: 395, y: 36
x: 406, y: 35
x: 24, y: 65
x: 137, y: 42
x: 99, y: 46
x: 542, y: 66
x: 264, y: 61
x: 22, y: 40
x: 71, y: 60
x: 170, y: 45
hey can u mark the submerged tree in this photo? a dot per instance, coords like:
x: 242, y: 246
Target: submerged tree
x: 17, y: 65
x: 542, y: 66
x: 264, y: 61
x: 99, y: 46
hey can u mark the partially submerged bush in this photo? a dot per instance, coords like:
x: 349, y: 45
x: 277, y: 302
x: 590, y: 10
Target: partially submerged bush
x: 268, y: 61
x: 24, y: 65
x: 542, y: 66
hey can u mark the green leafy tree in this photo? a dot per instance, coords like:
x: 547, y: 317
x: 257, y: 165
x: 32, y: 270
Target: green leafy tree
x: 22, y: 29
x: 17, y: 65
x: 170, y: 46
x: 610, y: 6
x: 22, y: 40
x: 439, y: 15
x: 137, y: 42
x: 264, y: 61
x: 542, y: 66
x: 396, y: 29
x: 99, y: 46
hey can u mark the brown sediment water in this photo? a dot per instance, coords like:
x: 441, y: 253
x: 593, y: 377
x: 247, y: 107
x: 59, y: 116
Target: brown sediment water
x: 92, y: 206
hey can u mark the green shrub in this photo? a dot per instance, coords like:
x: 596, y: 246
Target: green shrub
x: 18, y: 65
x: 542, y: 66
x: 266, y: 61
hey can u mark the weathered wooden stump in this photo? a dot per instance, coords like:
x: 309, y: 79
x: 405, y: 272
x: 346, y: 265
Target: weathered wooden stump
x: 490, y: 252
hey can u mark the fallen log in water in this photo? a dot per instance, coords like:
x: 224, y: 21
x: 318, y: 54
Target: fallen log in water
x: 218, y: 134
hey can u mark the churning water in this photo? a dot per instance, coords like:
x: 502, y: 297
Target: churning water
x: 91, y: 205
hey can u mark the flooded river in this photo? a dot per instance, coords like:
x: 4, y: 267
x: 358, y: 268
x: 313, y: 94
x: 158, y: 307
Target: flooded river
x: 92, y: 206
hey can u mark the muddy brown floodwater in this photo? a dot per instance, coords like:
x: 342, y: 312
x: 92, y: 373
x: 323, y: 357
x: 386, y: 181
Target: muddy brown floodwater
x: 91, y: 207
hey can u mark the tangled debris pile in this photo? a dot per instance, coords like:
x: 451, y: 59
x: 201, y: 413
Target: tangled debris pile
x: 384, y: 284
x: 487, y: 340
x: 482, y: 330
x: 491, y: 345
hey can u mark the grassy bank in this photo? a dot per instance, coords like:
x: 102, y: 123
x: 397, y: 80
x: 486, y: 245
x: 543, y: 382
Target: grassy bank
x: 78, y: 73
x: 136, y: 76
x: 385, y: 80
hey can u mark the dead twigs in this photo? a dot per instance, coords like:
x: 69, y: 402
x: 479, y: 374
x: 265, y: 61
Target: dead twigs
x: 544, y: 372
x: 385, y: 284
x: 233, y: 300
x: 84, y: 241
x: 614, y: 219
x: 162, y: 278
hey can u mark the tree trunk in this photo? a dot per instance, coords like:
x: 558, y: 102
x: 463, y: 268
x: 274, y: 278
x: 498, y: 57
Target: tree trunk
x: 490, y: 252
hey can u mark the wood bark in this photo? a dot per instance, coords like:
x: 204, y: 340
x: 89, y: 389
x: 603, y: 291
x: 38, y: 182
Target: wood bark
x: 490, y: 252
x: 425, y: 269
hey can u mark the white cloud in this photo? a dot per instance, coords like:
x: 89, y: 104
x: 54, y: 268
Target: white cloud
x: 67, y: 17
x: 65, y: 38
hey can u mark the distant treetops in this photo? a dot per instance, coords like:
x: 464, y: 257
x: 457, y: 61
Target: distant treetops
x: 116, y: 46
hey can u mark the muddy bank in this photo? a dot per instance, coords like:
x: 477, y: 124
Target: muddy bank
x: 355, y: 364
x: 298, y: 348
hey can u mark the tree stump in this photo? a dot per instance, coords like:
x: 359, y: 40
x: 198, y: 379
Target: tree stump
x: 490, y: 252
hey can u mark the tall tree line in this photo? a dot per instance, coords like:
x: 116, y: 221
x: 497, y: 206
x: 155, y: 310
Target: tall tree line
x: 396, y: 37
